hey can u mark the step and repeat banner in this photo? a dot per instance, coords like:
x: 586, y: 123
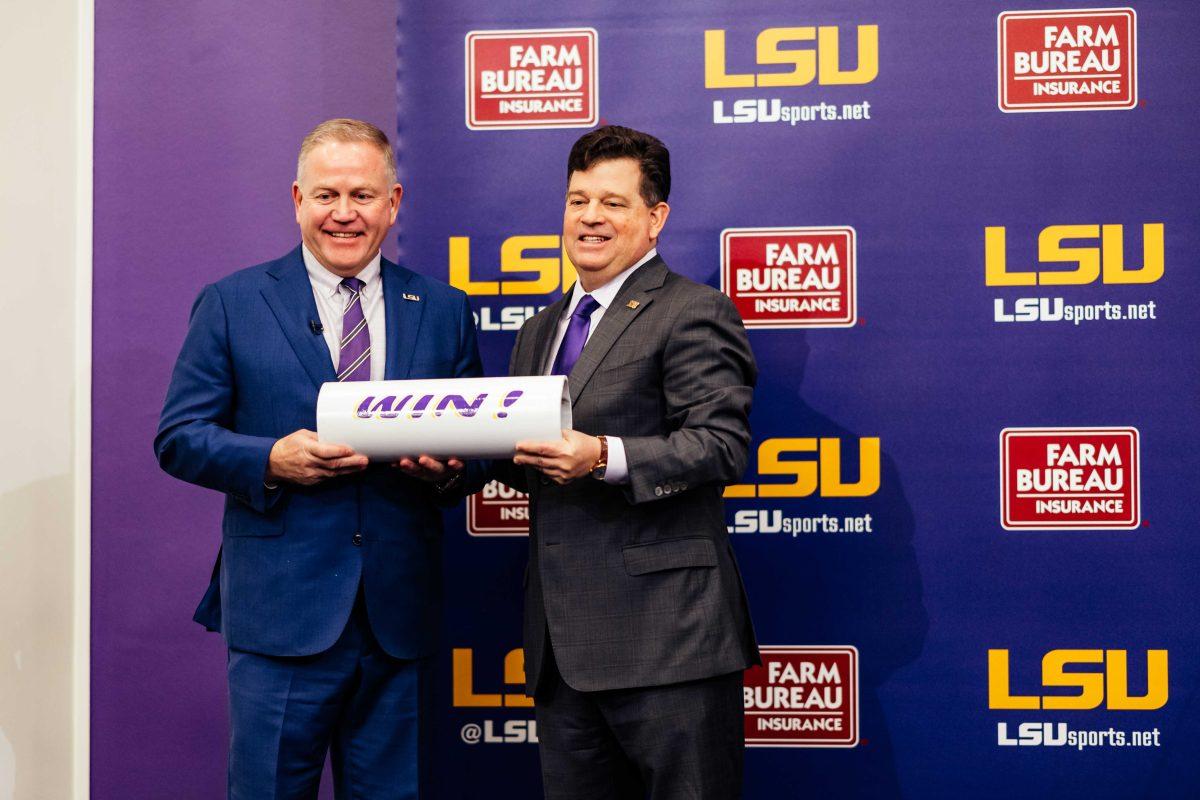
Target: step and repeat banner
x: 962, y: 238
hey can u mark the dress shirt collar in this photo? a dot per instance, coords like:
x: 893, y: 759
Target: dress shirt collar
x: 327, y: 283
x: 605, y: 294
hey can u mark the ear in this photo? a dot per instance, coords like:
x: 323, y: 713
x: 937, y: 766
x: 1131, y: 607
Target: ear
x: 658, y: 218
x: 394, y: 201
x: 297, y: 196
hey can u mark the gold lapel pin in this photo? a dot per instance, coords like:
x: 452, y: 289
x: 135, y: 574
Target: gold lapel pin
x: 414, y: 297
x: 633, y: 304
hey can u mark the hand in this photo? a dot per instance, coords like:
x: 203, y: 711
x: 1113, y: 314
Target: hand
x: 301, y: 458
x: 428, y: 468
x: 562, y: 460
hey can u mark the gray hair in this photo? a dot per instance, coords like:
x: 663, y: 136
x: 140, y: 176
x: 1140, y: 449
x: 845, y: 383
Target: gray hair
x: 348, y: 130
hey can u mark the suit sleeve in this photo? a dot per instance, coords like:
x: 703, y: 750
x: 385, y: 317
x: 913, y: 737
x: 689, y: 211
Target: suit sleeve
x: 195, y: 441
x: 708, y: 376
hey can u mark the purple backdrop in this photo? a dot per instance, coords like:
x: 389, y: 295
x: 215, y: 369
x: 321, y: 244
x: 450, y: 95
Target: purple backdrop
x: 200, y: 108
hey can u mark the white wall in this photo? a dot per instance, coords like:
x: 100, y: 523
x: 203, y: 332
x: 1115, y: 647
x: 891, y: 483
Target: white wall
x: 45, y: 232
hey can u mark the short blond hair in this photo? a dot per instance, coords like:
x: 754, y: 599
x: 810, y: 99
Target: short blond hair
x: 348, y: 130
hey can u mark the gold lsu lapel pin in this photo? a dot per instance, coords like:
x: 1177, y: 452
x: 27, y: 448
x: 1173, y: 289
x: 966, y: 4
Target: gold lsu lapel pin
x: 633, y: 304
x: 413, y: 297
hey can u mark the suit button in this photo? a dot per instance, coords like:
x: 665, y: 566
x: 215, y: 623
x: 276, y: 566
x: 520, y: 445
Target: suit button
x: 658, y: 490
x: 357, y: 539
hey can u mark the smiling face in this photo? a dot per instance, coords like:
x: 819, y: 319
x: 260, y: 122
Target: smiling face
x: 345, y: 204
x: 607, y: 226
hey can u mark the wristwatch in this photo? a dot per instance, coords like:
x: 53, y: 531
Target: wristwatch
x: 601, y: 465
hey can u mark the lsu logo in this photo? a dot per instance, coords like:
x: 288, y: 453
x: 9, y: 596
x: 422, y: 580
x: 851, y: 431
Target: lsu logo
x: 542, y: 260
x: 791, y: 277
x: 497, y: 510
x: 802, y: 697
x: 1077, y: 60
x: 1101, y: 259
x: 531, y: 79
x: 1091, y: 688
x: 793, y: 48
x: 808, y: 476
x: 552, y: 272
x: 464, y: 693
x: 1081, y: 478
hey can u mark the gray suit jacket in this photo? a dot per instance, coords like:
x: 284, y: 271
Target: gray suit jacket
x: 637, y: 585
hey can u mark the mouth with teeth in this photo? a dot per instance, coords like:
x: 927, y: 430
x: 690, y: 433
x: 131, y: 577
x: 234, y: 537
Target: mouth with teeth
x: 344, y: 234
x: 593, y: 239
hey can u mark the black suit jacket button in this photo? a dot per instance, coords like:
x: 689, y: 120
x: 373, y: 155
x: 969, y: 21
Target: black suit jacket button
x: 357, y: 539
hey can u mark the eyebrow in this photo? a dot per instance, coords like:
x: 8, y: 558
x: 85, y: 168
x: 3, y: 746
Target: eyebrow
x: 605, y: 195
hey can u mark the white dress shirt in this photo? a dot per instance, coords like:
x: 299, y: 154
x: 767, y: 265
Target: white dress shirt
x: 618, y: 469
x: 331, y: 299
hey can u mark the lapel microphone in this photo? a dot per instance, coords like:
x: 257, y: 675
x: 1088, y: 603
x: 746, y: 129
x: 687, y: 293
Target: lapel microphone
x: 315, y: 326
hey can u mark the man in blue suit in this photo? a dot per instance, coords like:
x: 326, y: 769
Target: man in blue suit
x: 327, y: 585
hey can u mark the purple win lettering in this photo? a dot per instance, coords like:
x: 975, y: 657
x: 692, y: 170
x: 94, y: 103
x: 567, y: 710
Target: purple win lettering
x: 386, y: 408
x: 509, y: 399
x: 461, y: 406
x: 418, y: 410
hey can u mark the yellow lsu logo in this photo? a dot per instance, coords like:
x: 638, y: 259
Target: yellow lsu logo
x: 823, y: 473
x: 1112, y: 683
x: 822, y: 64
x: 551, y: 272
x: 1107, y: 257
x: 464, y: 693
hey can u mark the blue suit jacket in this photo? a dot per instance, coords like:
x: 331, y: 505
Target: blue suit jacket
x: 248, y: 374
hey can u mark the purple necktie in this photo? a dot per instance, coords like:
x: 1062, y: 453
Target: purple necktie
x: 576, y: 336
x: 354, y: 362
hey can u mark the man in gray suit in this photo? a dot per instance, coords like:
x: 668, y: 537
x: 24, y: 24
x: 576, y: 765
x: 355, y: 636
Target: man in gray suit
x: 636, y: 624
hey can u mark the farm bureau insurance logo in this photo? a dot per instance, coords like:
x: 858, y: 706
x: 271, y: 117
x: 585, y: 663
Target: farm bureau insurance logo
x: 498, y: 510
x: 531, y: 79
x: 791, y: 277
x: 1074, y: 60
x: 1069, y: 478
x: 802, y: 696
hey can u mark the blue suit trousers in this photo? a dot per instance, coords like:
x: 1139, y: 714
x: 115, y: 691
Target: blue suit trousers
x: 353, y: 701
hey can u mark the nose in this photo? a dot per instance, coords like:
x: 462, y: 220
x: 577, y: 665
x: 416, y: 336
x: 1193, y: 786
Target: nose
x: 343, y: 210
x: 592, y: 213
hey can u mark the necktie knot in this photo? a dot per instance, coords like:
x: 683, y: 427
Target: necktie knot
x: 587, y: 306
x: 576, y: 336
x: 353, y: 284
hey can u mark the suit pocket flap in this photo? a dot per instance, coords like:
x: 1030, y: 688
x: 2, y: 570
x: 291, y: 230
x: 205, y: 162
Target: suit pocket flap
x: 669, y: 554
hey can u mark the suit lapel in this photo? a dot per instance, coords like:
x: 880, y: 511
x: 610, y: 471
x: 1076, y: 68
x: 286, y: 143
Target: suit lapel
x: 403, y: 310
x: 290, y: 298
x: 542, y: 337
x: 636, y: 291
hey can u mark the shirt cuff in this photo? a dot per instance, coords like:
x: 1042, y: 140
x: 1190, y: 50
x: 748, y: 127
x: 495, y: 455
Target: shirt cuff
x: 617, y: 470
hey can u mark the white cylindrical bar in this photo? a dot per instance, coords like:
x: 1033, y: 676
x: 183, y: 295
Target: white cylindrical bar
x: 463, y: 417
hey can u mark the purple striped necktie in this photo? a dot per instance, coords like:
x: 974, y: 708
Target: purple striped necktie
x: 354, y: 360
x: 576, y: 336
